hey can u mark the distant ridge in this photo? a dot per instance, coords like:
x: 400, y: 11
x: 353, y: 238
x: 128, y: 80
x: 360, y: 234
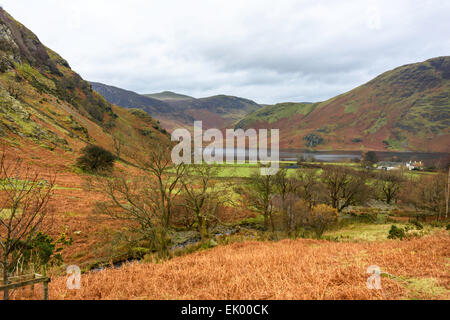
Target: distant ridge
x: 176, y: 110
x: 131, y: 100
x: 168, y: 96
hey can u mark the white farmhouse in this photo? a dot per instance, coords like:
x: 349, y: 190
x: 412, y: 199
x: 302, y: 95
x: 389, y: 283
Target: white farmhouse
x: 414, y: 165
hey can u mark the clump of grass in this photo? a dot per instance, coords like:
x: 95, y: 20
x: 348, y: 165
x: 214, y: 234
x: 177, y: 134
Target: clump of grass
x: 426, y: 288
x: 397, y: 233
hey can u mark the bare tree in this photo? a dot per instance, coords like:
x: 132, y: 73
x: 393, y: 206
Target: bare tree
x: 447, y: 195
x: 345, y: 187
x: 146, y: 201
x: 203, y: 195
x: 389, y: 184
x: 168, y: 177
x: 428, y: 193
x: 287, y: 189
x: 308, y: 188
x: 136, y: 201
x: 258, y: 194
x: 24, y: 202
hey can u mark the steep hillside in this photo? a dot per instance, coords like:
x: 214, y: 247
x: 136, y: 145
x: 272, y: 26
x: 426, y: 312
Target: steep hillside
x: 46, y: 107
x: 274, y: 113
x: 404, y: 109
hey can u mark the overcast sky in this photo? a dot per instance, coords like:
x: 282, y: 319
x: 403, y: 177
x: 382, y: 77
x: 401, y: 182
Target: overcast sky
x: 268, y: 51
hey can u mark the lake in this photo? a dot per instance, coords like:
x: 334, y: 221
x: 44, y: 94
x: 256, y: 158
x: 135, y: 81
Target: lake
x: 336, y: 156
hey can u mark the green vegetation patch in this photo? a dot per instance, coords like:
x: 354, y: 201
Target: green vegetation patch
x: 351, y: 108
x: 272, y: 114
x: 381, y: 122
x: 419, y: 287
x: 35, y: 77
x: 6, y: 213
x: 361, y: 232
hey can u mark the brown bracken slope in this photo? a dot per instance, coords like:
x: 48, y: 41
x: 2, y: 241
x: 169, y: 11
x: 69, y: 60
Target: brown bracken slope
x: 292, y: 270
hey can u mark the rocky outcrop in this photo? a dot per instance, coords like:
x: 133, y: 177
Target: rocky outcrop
x: 23, y: 45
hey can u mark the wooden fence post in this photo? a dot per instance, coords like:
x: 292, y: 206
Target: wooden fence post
x: 45, y: 285
x: 24, y: 281
x: 448, y: 194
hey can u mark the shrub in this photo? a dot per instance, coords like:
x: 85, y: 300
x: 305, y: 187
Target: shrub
x: 397, y: 233
x: 313, y: 140
x: 42, y: 251
x: 417, y: 224
x: 319, y: 219
x: 253, y: 223
x: 95, y: 159
x: 370, y: 158
x: 139, y: 252
x: 438, y: 224
x: 448, y: 227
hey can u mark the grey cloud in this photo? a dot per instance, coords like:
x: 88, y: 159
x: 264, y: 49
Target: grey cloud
x: 269, y: 51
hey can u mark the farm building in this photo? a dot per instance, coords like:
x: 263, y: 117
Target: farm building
x: 389, y: 166
x: 414, y: 165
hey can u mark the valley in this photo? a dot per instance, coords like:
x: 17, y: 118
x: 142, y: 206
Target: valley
x: 87, y: 179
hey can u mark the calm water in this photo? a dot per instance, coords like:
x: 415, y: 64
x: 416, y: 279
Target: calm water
x: 336, y: 156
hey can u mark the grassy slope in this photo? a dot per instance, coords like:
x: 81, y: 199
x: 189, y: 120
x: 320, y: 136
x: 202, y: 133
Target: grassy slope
x: 275, y: 113
x: 404, y: 109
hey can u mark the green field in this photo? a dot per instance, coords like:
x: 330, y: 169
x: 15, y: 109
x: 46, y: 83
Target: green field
x: 247, y: 169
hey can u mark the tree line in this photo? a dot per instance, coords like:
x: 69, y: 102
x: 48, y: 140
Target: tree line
x: 168, y: 196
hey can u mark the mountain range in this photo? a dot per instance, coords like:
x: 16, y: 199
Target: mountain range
x: 405, y: 109
x: 175, y: 110
x: 43, y: 101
